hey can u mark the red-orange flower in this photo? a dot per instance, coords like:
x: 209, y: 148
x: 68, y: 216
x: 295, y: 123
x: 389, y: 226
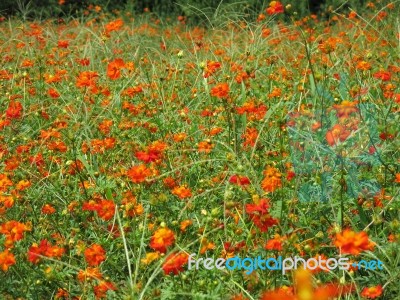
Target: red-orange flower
x: 162, y: 239
x: 353, y: 243
x: 14, y: 110
x: 114, y: 68
x: 7, y: 259
x: 259, y: 215
x: 87, y: 79
x: 337, y: 133
x: 272, y: 179
x: 95, y: 255
x: 14, y: 231
x: 372, y: 292
x: 221, y: 90
x: 239, y: 180
x: 383, y: 75
x: 174, y: 263
x: 114, y: 25
x: 43, y: 249
x: 182, y: 192
x: 101, y: 289
x: 139, y: 173
x: 275, y: 7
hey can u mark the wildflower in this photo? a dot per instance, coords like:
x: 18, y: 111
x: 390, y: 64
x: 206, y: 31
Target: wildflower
x: 95, y: 255
x: 4, y: 182
x: 63, y: 44
x: 383, y: 75
x: 14, y: 110
x: 337, y: 133
x: 114, y: 25
x: 272, y: 179
x: 184, y: 224
x: 275, y: 243
x: 259, y: 215
x: 221, y: 90
x: 53, y: 93
x: 211, y: 68
x: 150, y: 257
x: 138, y: 174
x: 205, y: 146
x: 7, y: 259
x: 89, y: 273
x: 114, y: 68
x: 104, y: 208
x: 206, y: 245
x: 363, y: 66
x: 43, y: 249
x: 182, y: 192
x: 154, y: 152
x: 102, y: 288
x: 48, y: 209
x: 397, y: 180
x: 174, y: 263
x: 275, y: 7
x: 372, y: 292
x: 239, y: 180
x: 162, y: 239
x: 249, y: 137
x: 346, y: 108
x: 13, y: 231
x: 87, y: 79
x: 353, y: 243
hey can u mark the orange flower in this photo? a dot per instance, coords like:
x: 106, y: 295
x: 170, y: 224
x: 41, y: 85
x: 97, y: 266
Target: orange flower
x: 205, y: 146
x: 353, y: 243
x: 101, y: 289
x: 114, y: 25
x: 95, y: 255
x: 150, y: 257
x: 211, y: 68
x: 7, y: 259
x: 89, y: 273
x: 275, y: 7
x: 174, y: 263
x: 372, y: 292
x: 275, y: 243
x: 337, y: 133
x: 184, y: 224
x: 43, y: 249
x: 259, y: 215
x: 363, y: 65
x: 53, y: 93
x: 14, y: 231
x: 182, y: 192
x: 139, y: 173
x: 86, y: 79
x: 397, y: 178
x: 383, y: 75
x: 114, y: 68
x: 221, y: 90
x: 63, y: 44
x: 272, y: 179
x: 104, y: 208
x: 162, y: 239
x: 14, y: 110
x: 4, y: 182
x: 346, y: 108
x: 48, y: 209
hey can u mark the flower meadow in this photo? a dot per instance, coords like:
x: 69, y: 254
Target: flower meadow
x: 129, y: 142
